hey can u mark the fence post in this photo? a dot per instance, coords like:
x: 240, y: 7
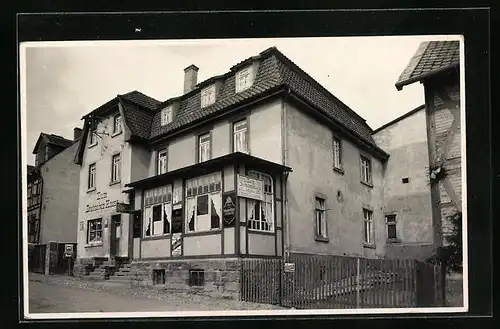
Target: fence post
x: 357, y: 283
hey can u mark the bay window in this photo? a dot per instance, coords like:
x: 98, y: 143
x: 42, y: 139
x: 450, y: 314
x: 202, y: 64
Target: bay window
x: 260, y: 213
x: 157, y: 211
x: 204, y: 203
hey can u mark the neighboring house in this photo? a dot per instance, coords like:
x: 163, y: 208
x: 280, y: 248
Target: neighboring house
x: 407, y: 198
x: 53, y: 198
x: 261, y: 161
x: 436, y: 65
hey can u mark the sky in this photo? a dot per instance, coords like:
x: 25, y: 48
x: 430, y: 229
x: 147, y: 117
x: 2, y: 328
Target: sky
x: 63, y: 81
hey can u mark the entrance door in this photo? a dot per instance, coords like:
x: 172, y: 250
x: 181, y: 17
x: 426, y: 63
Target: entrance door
x: 116, y: 232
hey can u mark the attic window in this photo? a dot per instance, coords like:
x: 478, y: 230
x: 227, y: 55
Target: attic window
x: 46, y: 152
x: 208, y: 96
x: 166, y: 115
x: 244, y: 78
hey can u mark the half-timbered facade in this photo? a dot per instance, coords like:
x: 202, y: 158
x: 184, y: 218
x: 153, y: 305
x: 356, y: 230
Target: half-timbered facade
x: 436, y: 65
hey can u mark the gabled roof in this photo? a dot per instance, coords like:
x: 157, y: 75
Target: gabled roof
x: 52, y: 139
x: 401, y: 117
x: 430, y: 58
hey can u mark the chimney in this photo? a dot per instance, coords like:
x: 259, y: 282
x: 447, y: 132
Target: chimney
x: 190, y: 78
x: 77, y: 132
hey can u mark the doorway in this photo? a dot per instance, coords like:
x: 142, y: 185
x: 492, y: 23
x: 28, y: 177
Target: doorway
x: 116, y: 232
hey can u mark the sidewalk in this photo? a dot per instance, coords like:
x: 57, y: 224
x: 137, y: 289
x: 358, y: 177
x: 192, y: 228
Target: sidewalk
x: 105, y: 293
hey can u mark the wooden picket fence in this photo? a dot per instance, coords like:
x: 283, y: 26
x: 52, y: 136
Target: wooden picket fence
x: 327, y: 281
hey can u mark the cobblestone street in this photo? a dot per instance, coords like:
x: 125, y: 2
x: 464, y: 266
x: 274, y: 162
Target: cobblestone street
x: 60, y: 294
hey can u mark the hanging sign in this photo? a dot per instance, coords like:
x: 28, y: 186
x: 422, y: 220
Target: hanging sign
x: 250, y: 188
x: 123, y: 207
x: 289, y: 267
x: 176, y: 244
x: 229, y: 209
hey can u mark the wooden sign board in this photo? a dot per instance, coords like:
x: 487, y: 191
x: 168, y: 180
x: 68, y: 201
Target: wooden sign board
x: 289, y: 267
x: 250, y: 188
x: 123, y: 207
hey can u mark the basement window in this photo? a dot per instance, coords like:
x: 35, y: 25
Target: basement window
x: 158, y: 277
x: 196, y: 278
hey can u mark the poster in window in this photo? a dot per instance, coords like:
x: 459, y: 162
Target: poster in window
x: 190, y: 213
x: 229, y: 209
x: 215, y: 211
x: 148, y: 221
x: 176, y: 244
x: 177, y: 220
x: 167, y: 211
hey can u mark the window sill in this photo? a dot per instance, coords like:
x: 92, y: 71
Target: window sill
x: 370, y: 185
x: 321, y: 239
x: 94, y: 245
x: 90, y: 189
x: 250, y: 230
x: 156, y: 237
x: 368, y: 246
x: 92, y: 145
x: 213, y: 231
x: 339, y: 170
x: 116, y: 133
x: 114, y: 183
x: 393, y: 241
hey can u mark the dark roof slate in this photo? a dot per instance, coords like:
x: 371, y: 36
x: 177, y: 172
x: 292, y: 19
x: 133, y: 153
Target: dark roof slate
x: 431, y: 57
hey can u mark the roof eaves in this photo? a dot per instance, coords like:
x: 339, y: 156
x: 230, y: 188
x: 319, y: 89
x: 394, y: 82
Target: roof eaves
x: 400, y: 84
x: 315, y: 83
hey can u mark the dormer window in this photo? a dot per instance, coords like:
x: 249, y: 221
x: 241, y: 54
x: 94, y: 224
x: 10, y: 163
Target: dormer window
x: 208, y: 96
x: 166, y: 115
x: 244, y: 79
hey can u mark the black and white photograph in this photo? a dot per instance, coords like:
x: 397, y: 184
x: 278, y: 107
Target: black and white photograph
x: 250, y: 176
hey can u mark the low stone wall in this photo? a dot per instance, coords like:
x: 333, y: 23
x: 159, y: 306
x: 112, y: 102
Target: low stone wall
x: 221, y: 276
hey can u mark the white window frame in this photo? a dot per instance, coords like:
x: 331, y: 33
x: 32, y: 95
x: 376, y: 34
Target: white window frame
x: 240, y: 129
x: 207, y: 96
x: 161, y: 161
x: 166, y: 115
x: 320, y: 218
x: 158, y: 197
x: 204, y: 147
x: 366, y: 170
x: 96, y: 220
x: 244, y: 79
x: 389, y: 222
x: 266, y: 205
x: 117, y: 124
x: 92, y: 176
x: 208, y: 185
x: 368, y: 228
x: 337, y: 152
x: 116, y: 168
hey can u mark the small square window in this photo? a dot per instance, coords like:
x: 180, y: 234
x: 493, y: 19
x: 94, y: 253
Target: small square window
x: 196, y: 278
x: 405, y: 180
x: 158, y: 276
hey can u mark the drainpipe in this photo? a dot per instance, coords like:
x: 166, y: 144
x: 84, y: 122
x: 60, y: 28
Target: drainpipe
x: 284, y: 146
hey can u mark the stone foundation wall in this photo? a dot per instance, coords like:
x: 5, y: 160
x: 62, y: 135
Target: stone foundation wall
x: 83, y: 266
x: 222, y: 276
